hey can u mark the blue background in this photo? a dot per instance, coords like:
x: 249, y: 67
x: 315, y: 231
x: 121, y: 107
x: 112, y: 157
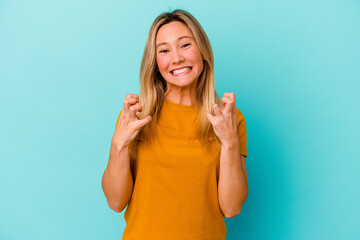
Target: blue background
x: 66, y: 66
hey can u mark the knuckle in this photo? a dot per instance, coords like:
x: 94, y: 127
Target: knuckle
x: 229, y: 94
x: 131, y: 95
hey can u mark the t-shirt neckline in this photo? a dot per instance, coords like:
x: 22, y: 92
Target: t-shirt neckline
x: 180, y: 107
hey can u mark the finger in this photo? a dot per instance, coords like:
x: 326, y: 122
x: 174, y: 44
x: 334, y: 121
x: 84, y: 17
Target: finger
x: 226, y: 100
x: 211, y: 118
x: 143, y: 121
x: 230, y: 95
x: 217, y: 110
x: 132, y: 95
x: 128, y: 102
x: 229, y: 104
x: 133, y: 109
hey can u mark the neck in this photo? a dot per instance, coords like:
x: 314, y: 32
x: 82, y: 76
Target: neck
x: 181, y: 95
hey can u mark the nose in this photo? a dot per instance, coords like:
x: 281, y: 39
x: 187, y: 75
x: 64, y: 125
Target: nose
x: 177, y: 57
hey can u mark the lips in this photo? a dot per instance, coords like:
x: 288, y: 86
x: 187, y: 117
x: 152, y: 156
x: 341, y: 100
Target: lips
x: 180, y: 70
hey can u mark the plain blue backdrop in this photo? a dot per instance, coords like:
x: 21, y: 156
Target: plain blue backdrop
x: 66, y: 66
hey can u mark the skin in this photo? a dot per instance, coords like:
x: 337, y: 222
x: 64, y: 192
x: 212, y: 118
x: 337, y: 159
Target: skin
x: 117, y: 181
x: 232, y: 185
x: 176, y: 47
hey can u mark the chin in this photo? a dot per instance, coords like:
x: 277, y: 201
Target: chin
x: 181, y: 84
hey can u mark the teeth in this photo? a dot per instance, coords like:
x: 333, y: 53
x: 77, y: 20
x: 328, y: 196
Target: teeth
x: 181, y: 70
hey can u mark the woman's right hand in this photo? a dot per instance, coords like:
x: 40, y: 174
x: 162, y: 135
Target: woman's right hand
x: 129, y: 124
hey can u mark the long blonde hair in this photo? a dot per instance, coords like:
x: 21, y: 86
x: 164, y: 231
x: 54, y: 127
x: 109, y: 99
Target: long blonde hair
x: 153, y: 85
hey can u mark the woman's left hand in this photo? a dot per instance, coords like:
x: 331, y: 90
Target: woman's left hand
x: 225, y: 121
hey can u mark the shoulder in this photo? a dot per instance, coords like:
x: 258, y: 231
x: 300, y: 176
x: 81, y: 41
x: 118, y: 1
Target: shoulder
x: 239, y: 116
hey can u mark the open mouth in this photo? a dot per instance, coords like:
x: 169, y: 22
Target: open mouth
x: 181, y: 71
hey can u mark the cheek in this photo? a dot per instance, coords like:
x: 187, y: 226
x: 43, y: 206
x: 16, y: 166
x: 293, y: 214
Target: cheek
x: 198, y: 59
x: 201, y: 65
x: 162, y: 63
x: 195, y: 57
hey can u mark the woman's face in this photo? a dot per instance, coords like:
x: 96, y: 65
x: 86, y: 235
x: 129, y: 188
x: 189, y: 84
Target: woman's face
x: 177, y: 55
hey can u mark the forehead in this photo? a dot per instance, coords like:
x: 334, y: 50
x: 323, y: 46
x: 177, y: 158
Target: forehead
x: 172, y: 31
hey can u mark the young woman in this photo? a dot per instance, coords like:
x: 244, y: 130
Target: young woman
x: 177, y: 156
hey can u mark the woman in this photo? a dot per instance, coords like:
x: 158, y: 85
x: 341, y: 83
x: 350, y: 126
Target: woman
x: 180, y: 168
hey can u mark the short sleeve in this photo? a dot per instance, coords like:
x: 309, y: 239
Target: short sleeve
x: 241, y: 128
x: 117, y: 121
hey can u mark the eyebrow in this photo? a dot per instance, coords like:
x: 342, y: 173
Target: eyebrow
x: 178, y: 40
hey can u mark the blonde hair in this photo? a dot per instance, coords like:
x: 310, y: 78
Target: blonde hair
x: 153, y: 85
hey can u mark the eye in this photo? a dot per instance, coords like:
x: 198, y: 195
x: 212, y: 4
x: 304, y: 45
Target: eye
x: 185, y: 45
x: 163, y: 51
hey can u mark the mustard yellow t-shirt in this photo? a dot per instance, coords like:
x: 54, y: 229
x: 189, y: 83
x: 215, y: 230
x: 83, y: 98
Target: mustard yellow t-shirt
x: 175, y: 195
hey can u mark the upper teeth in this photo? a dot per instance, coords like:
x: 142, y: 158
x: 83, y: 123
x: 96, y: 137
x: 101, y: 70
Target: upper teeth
x: 181, y: 70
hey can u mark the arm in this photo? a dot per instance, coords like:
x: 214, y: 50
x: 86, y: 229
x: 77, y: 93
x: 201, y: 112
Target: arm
x: 117, y: 181
x: 233, y: 186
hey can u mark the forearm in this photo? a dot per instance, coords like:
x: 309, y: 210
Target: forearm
x: 232, y: 187
x: 117, y: 181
